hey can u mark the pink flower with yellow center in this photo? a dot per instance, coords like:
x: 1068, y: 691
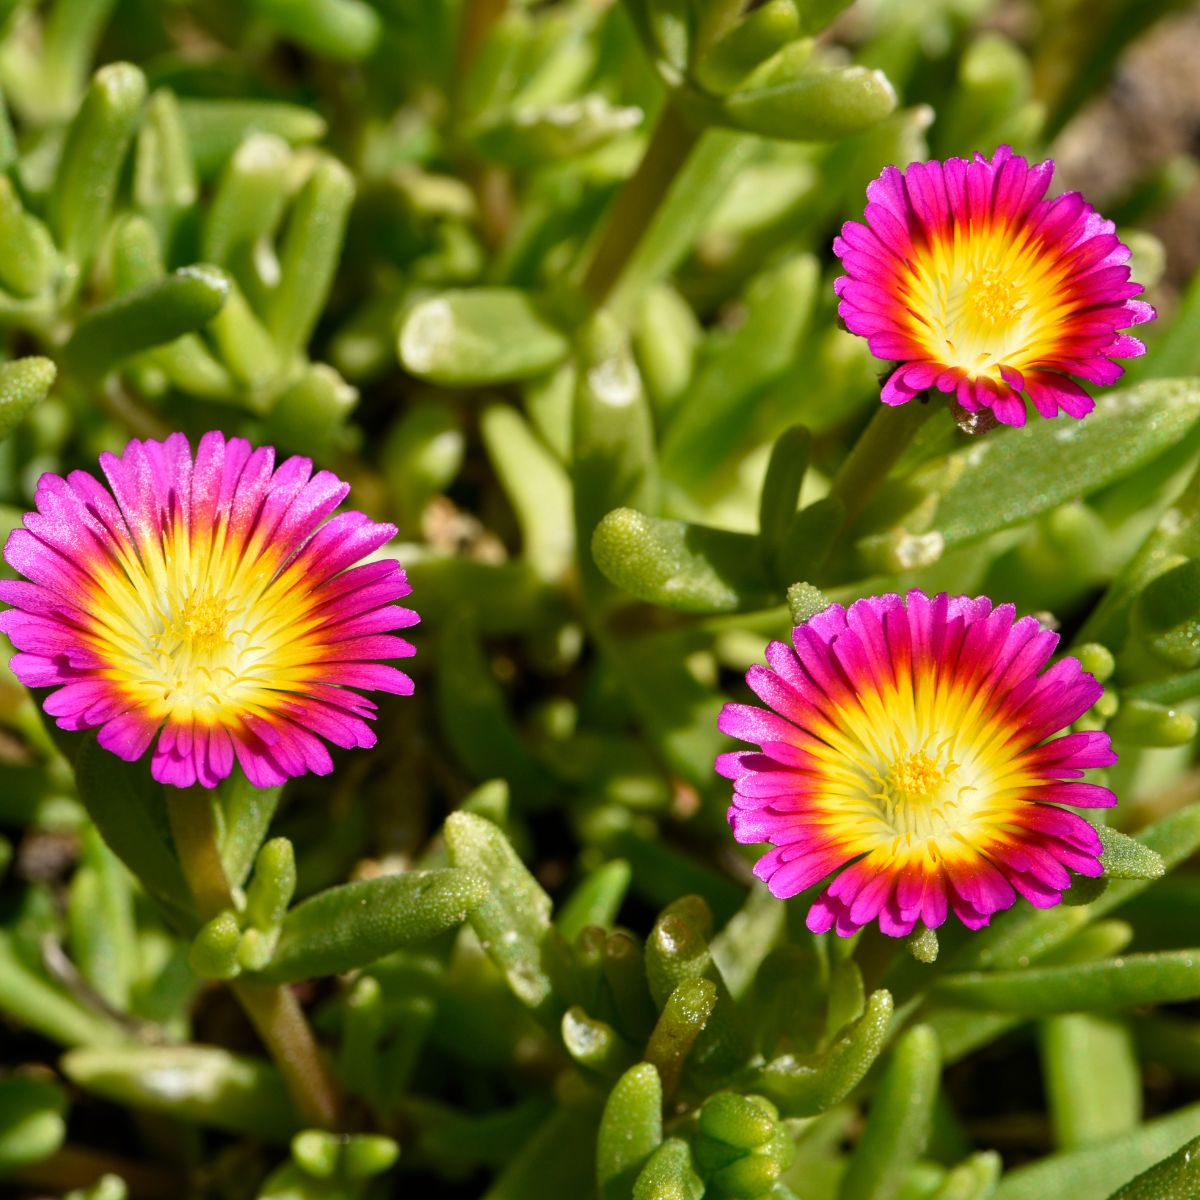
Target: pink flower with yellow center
x: 976, y: 284
x: 908, y: 746
x: 212, y: 601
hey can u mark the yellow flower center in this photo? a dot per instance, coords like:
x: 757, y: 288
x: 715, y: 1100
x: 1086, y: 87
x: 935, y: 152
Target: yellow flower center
x: 993, y: 298
x: 916, y: 778
x: 922, y: 796
x: 196, y: 634
x: 198, y: 629
x: 982, y: 299
x: 197, y: 653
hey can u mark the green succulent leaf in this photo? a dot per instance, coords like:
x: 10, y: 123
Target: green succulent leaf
x: 1126, y: 858
x: 1112, y: 983
x: 155, y: 314
x: 1005, y: 479
x: 192, y: 1083
x: 1175, y: 1178
x: 669, y: 1175
x: 806, y: 1085
x: 355, y: 924
x: 1100, y: 1169
x: 31, y: 1121
x: 215, y: 128
x: 631, y: 1129
x: 88, y: 171
x: 692, y: 568
x: 24, y: 384
x: 514, y: 918
x: 898, y: 1123
x: 479, y: 336
x: 814, y: 107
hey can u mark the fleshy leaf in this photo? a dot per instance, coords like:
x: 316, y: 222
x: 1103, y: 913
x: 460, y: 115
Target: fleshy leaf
x: 514, y: 918
x: 479, y: 336
x: 355, y: 924
x: 1008, y: 477
x: 191, y: 1083
x: 692, y: 568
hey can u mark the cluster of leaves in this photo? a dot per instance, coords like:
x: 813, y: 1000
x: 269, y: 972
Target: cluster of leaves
x: 549, y: 285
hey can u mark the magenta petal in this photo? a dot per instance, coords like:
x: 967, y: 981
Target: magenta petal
x: 1052, y: 305
x: 213, y: 599
x: 910, y: 820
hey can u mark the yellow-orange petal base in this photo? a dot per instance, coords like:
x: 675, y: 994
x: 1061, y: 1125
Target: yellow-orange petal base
x: 908, y: 749
x: 968, y: 278
x: 211, y: 602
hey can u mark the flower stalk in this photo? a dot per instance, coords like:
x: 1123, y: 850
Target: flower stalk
x: 272, y: 1008
x: 878, y: 449
x: 673, y: 140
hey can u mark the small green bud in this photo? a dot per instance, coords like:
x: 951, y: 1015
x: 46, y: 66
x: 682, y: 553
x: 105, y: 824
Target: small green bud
x: 317, y: 1152
x: 748, y: 1177
x: 214, y: 952
x: 804, y: 602
x: 741, y: 1121
x: 365, y: 1154
x: 923, y: 944
x: 1096, y: 660
x: 1144, y: 723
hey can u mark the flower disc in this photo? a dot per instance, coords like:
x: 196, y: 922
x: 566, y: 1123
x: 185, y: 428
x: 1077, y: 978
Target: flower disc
x: 908, y: 744
x: 212, y: 601
x: 976, y: 284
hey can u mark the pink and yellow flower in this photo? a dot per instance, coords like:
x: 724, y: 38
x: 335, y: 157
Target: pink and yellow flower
x: 212, y: 602
x: 908, y: 744
x: 976, y: 284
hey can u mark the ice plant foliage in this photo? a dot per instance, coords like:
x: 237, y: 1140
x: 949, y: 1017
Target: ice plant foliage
x: 213, y: 601
x: 974, y: 283
x: 909, y: 744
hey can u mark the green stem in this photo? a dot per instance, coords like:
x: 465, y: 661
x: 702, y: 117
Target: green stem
x: 875, y: 453
x: 671, y: 143
x: 477, y: 20
x: 718, y: 17
x: 273, y: 1009
x: 1173, y: 690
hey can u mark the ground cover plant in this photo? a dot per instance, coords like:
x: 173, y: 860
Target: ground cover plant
x: 603, y: 599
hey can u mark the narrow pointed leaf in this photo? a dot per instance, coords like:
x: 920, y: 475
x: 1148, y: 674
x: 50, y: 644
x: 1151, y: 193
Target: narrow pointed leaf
x: 692, y: 568
x: 1134, y: 979
x: 1004, y: 479
x: 151, y: 316
x: 355, y: 924
x: 1124, y: 857
x: 201, y: 1084
x: 480, y: 336
x: 1098, y: 1170
x: 1175, y: 1178
x: 631, y: 1129
x: 514, y: 918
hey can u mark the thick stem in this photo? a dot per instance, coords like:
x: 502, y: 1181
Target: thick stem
x: 672, y: 141
x: 875, y: 453
x: 194, y: 832
x: 477, y: 20
x: 276, y: 1013
x: 718, y: 18
x: 273, y: 1009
